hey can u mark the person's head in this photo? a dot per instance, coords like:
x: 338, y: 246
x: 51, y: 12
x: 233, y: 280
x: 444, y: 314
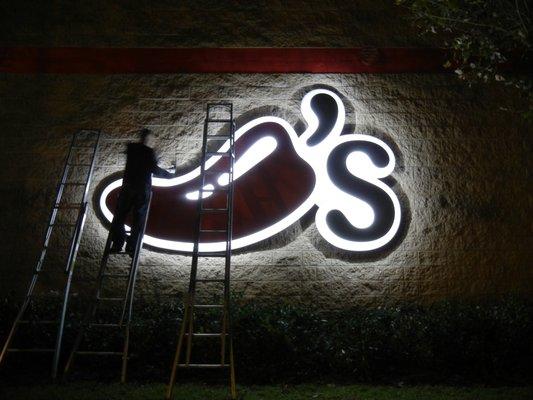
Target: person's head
x: 147, y: 137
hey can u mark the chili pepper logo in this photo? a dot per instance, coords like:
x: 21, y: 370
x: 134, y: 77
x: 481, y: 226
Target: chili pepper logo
x: 280, y: 176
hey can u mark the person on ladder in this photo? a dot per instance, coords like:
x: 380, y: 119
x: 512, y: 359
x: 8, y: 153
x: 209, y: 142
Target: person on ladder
x: 141, y: 164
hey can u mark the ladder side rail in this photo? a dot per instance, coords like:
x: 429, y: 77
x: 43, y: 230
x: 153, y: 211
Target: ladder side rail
x: 74, y: 243
x: 57, y: 201
x: 76, y: 236
x: 66, y: 293
x: 227, y: 278
x: 15, y: 324
x: 229, y: 207
x: 90, y: 174
x: 187, y: 322
x: 229, y: 222
x: 227, y: 251
x: 80, y: 224
x: 61, y: 184
x: 127, y: 307
x: 188, y: 303
x: 196, y: 246
x: 66, y: 169
x: 176, y: 359
x: 129, y: 295
x: 91, y: 310
x: 59, y: 195
x: 73, y: 250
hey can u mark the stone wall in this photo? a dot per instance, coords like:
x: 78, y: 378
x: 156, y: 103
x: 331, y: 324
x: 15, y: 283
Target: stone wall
x: 462, y: 165
x: 206, y: 23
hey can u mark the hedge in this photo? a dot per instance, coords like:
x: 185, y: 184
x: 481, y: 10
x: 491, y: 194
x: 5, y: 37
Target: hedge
x: 447, y: 342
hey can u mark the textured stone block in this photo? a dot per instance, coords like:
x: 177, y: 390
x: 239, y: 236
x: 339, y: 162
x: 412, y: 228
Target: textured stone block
x: 462, y: 166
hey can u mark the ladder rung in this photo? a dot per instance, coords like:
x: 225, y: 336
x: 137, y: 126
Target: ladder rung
x: 43, y: 322
x: 120, y: 253
x: 110, y: 298
x: 218, y: 137
x: 31, y: 350
x: 213, y: 230
x: 220, y: 104
x: 116, y: 275
x: 86, y: 141
x: 223, y: 189
x: 67, y: 206
x: 207, y: 334
x: 73, y: 184
x: 57, y: 246
x: 214, y: 210
x: 215, y: 171
x: 210, y: 280
x: 45, y: 296
x: 99, y: 353
x: 208, y: 306
x: 219, y: 120
x: 79, y: 165
x: 100, y: 325
x: 203, y: 365
x: 218, y: 153
x: 221, y: 255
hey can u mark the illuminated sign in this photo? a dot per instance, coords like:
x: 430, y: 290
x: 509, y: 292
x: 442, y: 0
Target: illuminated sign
x: 279, y: 177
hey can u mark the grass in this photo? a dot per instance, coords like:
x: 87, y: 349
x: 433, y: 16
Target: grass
x: 101, y: 391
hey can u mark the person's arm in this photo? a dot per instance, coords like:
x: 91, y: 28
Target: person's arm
x: 159, y: 172
x: 162, y: 173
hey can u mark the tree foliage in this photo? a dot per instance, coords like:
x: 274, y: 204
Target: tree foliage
x: 483, y: 34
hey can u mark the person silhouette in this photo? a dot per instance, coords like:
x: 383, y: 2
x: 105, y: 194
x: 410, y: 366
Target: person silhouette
x: 141, y: 164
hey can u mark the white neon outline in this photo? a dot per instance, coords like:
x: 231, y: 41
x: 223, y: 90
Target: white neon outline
x: 349, y: 207
x: 256, y: 153
x: 325, y: 194
x: 207, y: 191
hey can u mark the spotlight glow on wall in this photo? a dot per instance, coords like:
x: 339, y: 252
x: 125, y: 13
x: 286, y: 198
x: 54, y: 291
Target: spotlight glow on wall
x: 357, y: 210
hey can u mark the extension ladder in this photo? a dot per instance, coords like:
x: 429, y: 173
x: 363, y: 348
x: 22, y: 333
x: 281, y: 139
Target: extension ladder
x: 79, y: 165
x: 92, y: 321
x: 187, y: 330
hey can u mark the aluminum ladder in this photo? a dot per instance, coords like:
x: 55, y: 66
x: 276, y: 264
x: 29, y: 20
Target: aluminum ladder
x: 187, y: 330
x: 92, y: 321
x: 75, y: 180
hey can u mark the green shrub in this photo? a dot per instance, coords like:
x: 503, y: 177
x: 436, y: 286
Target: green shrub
x: 445, y: 342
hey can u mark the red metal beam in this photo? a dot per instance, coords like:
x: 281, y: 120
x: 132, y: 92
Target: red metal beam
x: 73, y: 60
